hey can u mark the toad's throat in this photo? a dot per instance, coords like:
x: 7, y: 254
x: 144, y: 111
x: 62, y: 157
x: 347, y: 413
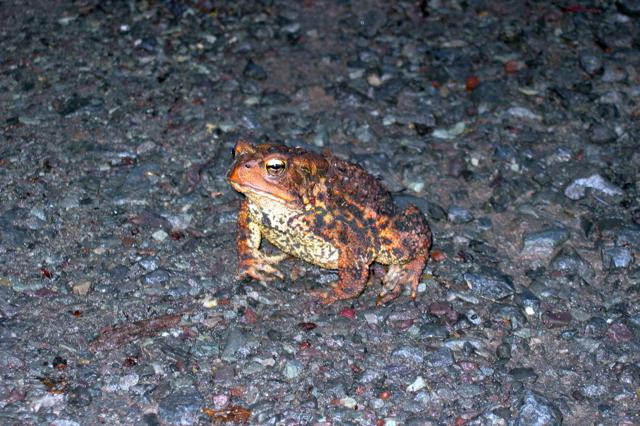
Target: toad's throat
x: 257, y: 193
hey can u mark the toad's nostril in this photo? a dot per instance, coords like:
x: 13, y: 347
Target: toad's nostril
x: 247, y: 165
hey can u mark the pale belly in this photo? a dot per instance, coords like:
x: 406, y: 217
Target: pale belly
x: 282, y: 229
x: 307, y: 247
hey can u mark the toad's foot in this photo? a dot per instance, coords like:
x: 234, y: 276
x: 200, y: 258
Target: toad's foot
x: 333, y: 295
x: 398, y: 275
x: 259, y: 266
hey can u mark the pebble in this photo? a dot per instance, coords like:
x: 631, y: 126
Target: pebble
x: 492, y: 284
x: 602, y: 134
x: 160, y: 235
x: 619, y: 333
x: 409, y: 354
x: 523, y: 373
x: 523, y: 113
x: 439, y: 358
x: 417, y: 384
x: 254, y: 71
x: 181, y: 407
x: 450, y: 133
x: 82, y: 288
x: 458, y: 215
x: 235, y: 341
x: 591, y: 62
x: 537, y: 410
x: 569, y: 262
x: 292, y: 369
x: 616, y: 258
x: 542, y: 244
x: 157, y: 277
x: 576, y: 190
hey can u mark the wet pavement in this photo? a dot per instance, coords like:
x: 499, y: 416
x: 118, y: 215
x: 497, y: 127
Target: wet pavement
x: 512, y: 125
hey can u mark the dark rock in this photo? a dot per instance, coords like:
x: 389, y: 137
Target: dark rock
x: 601, y: 134
x: 439, y: 358
x: 510, y: 313
x: 235, y: 342
x: 503, y: 351
x: 523, y: 373
x: 181, y: 407
x: 491, y: 92
x: 254, y: 71
x: 568, y: 261
x: 371, y: 21
x: 490, y: 284
x: 596, y: 326
x: 528, y: 301
x: 629, y: 235
x: 556, y: 319
x: 433, y: 331
x: 440, y: 310
x: 629, y: 7
x: 73, y: 104
x: 591, y: 62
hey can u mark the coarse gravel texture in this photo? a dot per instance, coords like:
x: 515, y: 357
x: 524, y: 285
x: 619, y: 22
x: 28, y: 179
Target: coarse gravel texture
x: 513, y: 125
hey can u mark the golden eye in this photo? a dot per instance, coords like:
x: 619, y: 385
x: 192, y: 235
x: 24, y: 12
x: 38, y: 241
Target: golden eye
x: 275, y: 166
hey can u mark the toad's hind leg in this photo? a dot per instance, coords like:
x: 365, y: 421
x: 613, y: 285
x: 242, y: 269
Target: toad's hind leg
x: 354, y: 259
x: 405, y: 248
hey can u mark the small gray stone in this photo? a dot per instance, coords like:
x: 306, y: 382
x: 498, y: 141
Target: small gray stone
x: 576, y: 190
x: 234, y: 342
x: 616, y: 257
x: 433, y: 331
x: 254, y: 71
x: 408, y: 353
x: 591, y: 62
x: 629, y: 235
x: 149, y: 264
x: 601, y: 134
x: 523, y: 373
x: 181, y: 408
x: 536, y: 410
x: 157, y: 277
x: 371, y: 21
x: 596, y: 327
x: 292, y: 369
x: 457, y: 214
x: 568, y: 261
x: 442, y: 357
x: 492, y: 285
x: 542, y: 244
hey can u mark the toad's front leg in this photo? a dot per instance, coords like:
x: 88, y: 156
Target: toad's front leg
x: 252, y: 262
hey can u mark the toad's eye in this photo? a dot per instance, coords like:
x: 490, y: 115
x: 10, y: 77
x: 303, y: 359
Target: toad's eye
x: 275, y: 166
x: 233, y: 153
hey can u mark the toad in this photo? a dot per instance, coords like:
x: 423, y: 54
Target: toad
x: 328, y: 212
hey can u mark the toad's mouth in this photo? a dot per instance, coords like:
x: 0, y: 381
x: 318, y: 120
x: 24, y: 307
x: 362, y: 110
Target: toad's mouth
x: 252, y: 191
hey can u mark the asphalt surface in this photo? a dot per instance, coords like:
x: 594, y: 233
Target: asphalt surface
x: 514, y: 126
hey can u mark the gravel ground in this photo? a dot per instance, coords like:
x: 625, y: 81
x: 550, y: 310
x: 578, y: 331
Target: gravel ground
x: 513, y: 125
